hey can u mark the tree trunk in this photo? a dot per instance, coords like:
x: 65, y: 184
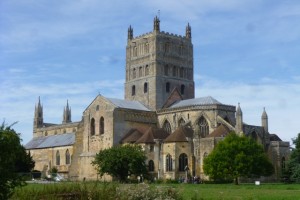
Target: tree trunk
x: 236, y: 180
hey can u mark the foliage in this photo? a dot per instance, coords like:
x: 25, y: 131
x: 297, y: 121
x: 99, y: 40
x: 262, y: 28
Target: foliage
x: 121, y: 161
x: 13, y: 160
x: 237, y: 156
x: 293, y: 165
x: 96, y: 190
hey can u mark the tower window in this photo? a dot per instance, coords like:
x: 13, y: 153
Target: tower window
x: 147, y: 70
x: 166, y: 70
x: 167, y: 87
x: 182, y: 89
x: 92, y: 126
x: 133, y: 90
x: 145, y: 87
x: 101, y: 125
x: 134, y: 73
x: 140, y: 72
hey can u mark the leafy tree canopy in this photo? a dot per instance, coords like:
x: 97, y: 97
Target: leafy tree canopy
x: 13, y: 160
x: 237, y: 156
x: 121, y: 161
x: 293, y: 165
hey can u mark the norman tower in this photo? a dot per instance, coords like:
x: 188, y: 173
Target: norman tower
x: 158, y: 63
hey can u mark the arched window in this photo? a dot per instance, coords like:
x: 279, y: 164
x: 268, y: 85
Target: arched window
x: 133, y: 90
x: 101, y: 125
x: 68, y: 157
x: 134, y: 73
x: 146, y: 70
x: 167, y: 126
x: 169, y: 163
x: 182, y: 89
x: 181, y: 122
x: 57, y: 158
x: 92, y: 128
x: 167, y: 87
x: 140, y: 72
x: 203, y: 127
x: 166, y: 70
x: 145, y: 87
x: 183, y: 162
x: 151, y: 166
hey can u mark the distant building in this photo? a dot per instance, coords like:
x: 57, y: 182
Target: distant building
x: 159, y: 112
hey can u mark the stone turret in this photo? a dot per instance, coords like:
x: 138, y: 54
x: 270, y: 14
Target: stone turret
x: 67, y: 114
x: 38, y: 116
x: 239, y: 120
x: 130, y: 33
x: 264, y: 121
x: 156, y: 22
x: 188, y: 31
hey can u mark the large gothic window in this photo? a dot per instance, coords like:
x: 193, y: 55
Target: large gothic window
x: 92, y: 127
x: 169, y: 163
x: 57, y: 158
x: 203, y: 127
x: 183, y: 162
x: 151, y: 166
x: 101, y: 125
x: 68, y: 157
x: 181, y: 122
x: 167, y: 126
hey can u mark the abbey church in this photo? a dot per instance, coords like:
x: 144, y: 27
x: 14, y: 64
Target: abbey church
x: 159, y: 112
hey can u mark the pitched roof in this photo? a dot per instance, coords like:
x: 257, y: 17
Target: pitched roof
x: 198, y: 101
x: 51, y: 141
x: 274, y: 137
x: 173, y: 97
x: 221, y: 131
x: 180, y: 135
x: 136, y: 105
x: 151, y: 134
x: 131, y: 136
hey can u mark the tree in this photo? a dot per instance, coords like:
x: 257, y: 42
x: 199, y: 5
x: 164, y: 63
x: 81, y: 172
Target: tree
x: 237, y: 156
x: 293, y: 165
x: 121, y: 161
x: 13, y: 160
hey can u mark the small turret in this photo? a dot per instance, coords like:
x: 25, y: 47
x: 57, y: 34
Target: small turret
x: 38, y: 115
x: 67, y: 114
x: 188, y: 31
x: 239, y: 120
x: 156, y: 24
x: 130, y: 33
x: 264, y: 120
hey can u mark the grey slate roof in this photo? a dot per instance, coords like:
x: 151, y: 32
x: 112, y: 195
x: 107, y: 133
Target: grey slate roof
x: 198, y: 101
x: 51, y: 141
x: 128, y: 104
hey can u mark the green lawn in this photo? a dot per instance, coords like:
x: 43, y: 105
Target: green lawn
x: 187, y: 191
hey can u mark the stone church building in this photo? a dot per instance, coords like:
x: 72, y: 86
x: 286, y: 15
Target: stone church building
x: 159, y: 112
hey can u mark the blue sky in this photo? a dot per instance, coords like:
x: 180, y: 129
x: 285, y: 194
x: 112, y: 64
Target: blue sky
x: 244, y: 51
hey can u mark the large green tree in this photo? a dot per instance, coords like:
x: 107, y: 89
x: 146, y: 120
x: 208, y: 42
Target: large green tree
x: 121, y: 161
x: 293, y: 165
x: 13, y: 160
x: 237, y: 156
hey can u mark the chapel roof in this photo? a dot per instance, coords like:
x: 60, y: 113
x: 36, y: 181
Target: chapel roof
x: 220, y: 131
x: 131, y: 136
x: 65, y: 139
x: 180, y: 135
x: 197, y: 101
x: 274, y: 137
x: 151, y: 134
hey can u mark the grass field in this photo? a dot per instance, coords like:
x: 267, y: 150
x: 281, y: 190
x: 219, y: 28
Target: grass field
x: 186, y: 191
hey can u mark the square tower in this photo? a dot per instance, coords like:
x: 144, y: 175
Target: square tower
x: 156, y: 64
